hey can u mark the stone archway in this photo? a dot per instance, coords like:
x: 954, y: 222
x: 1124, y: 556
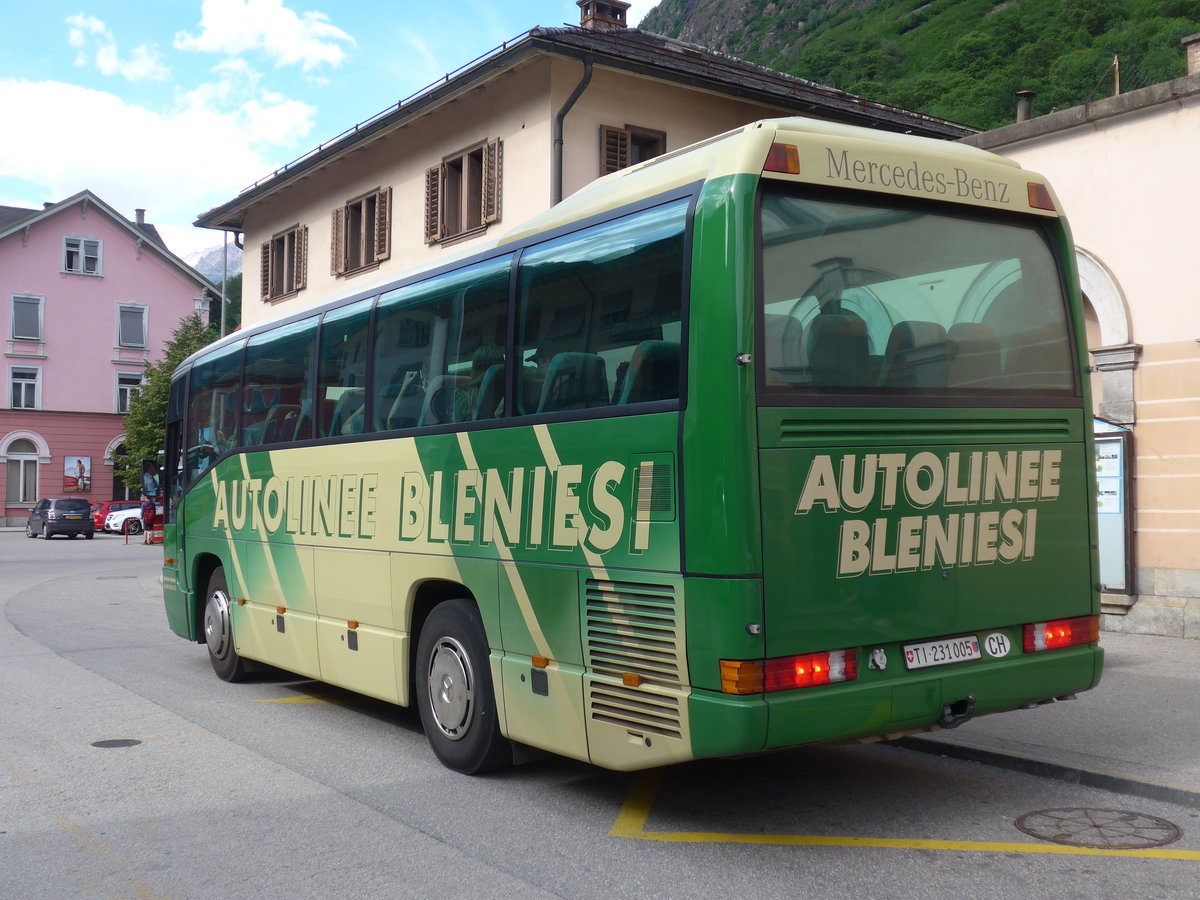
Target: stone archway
x: 1117, y: 356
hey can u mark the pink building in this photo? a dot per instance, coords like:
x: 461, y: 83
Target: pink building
x: 90, y: 300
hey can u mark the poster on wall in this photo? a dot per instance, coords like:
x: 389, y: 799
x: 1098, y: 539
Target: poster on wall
x: 77, y: 474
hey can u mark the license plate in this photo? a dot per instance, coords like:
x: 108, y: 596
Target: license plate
x: 941, y: 653
x: 74, y: 517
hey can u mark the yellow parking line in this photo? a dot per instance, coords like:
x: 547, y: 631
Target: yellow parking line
x: 635, y: 811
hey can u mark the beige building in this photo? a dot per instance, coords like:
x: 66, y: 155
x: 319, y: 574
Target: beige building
x: 1125, y: 169
x: 502, y: 139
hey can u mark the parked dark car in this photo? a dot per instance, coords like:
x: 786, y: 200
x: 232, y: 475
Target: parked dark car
x: 100, y: 511
x: 71, y: 516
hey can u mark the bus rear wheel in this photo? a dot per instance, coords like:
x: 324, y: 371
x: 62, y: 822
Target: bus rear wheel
x: 218, y: 631
x: 454, y: 691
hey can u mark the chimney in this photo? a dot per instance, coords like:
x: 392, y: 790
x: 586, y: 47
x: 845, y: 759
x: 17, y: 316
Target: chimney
x: 1024, y: 105
x: 601, y: 15
x: 1191, y: 46
x: 139, y: 217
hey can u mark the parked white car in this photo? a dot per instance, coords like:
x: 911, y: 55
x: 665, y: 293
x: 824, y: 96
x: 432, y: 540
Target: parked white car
x: 116, y: 521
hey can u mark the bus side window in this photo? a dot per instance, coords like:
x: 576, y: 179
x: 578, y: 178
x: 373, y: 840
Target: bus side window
x: 599, y: 315
x: 436, y: 348
x: 276, y: 388
x: 342, y: 370
x: 212, y: 409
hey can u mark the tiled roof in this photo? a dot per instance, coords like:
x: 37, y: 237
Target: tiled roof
x: 13, y: 215
x: 627, y: 49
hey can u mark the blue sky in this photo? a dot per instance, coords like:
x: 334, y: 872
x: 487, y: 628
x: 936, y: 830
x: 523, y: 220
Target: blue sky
x: 174, y: 106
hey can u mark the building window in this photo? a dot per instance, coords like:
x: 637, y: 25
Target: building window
x: 128, y: 384
x: 462, y: 195
x: 21, y: 472
x: 131, y: 326
x: 26, y: 322
x: 628, y: 146
x: 283, y: 263
x: 362, y: 232
x: 24, y: 387
x: 81, y: 256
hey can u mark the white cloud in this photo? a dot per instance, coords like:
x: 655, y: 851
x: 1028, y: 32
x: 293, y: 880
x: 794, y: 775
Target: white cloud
x: 638, y: 10
x: 144, y: 64
x: 233, y: 27
x: 175, y: 166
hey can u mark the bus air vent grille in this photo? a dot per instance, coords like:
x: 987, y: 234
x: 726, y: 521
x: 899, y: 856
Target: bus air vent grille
x: 632, y: 628
x: 655, y: 489
x: 638, y: 711
x: 836, y: 432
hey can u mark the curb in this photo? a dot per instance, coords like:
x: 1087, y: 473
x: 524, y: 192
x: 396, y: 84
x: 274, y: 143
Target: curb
x: 1108, y: 781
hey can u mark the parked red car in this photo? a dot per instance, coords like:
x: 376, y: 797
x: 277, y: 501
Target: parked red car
x: 101, y: 510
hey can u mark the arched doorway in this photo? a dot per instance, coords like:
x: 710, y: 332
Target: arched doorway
x: 1115, y: 356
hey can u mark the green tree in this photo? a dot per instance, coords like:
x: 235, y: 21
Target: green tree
x: 233, y: 305
x: 146, y: 421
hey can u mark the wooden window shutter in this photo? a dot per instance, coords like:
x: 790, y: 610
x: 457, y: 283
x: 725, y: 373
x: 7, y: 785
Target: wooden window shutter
x: 433, y: 204
x: 337, y: 242
x: 264, y: 268
x: 383, y: 224
x: 493, y: 159
x: 300, y: 263
x: 614, y: 148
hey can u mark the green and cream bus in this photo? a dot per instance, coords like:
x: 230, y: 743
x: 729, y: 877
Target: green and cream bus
x: 777, y: 439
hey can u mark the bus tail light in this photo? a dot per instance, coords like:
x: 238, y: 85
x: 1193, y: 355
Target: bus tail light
x: 786, y: 673
x: 783, y: 158
x: 1039, y: 197
x: 1061, y: 633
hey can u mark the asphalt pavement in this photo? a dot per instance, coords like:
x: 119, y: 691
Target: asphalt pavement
x: 1136, y: 733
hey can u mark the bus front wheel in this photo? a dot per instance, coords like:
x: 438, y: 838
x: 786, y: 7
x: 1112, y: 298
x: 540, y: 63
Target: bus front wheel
x: 454, y: 691
x: 218, y: 631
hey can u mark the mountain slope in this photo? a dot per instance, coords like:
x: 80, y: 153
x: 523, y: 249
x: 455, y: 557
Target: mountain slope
x: 961, y: 60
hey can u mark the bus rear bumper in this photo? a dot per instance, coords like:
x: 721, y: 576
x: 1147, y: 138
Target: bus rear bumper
x: 724, y: 725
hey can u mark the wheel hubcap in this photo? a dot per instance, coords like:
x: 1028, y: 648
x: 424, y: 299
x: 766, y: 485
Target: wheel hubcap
x: 451, y: 688
x: 216, y: 624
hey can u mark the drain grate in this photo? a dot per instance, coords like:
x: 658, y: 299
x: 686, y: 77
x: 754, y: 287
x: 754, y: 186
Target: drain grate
x: 1100, y: 829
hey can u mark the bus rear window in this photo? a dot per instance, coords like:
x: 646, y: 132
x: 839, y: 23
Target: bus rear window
x: 864, y: 298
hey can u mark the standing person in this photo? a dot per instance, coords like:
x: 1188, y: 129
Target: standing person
x: 147, y: 518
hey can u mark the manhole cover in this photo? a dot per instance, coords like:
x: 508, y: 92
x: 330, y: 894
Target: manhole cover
x: 1101, y: 829
x: 114, y: 577
x: 116, y: 742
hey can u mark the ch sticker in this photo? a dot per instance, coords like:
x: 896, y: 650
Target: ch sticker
x: 997, y: 644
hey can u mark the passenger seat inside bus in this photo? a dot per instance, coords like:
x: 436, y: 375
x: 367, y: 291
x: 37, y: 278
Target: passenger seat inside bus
x: 838, y: 353
x: 490, y: 393
x: 574, y: 381
x: 1039, y: 359
x: 348, y: 413
x: 281, y: 423
x: 407, y: 400
x: 974, y: 356
x: 653, y: 373
x: 916, y: 356
x: 438, y: 408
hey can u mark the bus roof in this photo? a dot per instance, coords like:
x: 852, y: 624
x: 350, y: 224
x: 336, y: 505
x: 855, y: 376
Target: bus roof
x: 832, y: 154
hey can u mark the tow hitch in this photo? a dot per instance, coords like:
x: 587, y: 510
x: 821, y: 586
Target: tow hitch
x: 954, y: 714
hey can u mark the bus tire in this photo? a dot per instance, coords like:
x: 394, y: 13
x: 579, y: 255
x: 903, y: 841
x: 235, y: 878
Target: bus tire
x: 454, y: 691
x: 218, y: 630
